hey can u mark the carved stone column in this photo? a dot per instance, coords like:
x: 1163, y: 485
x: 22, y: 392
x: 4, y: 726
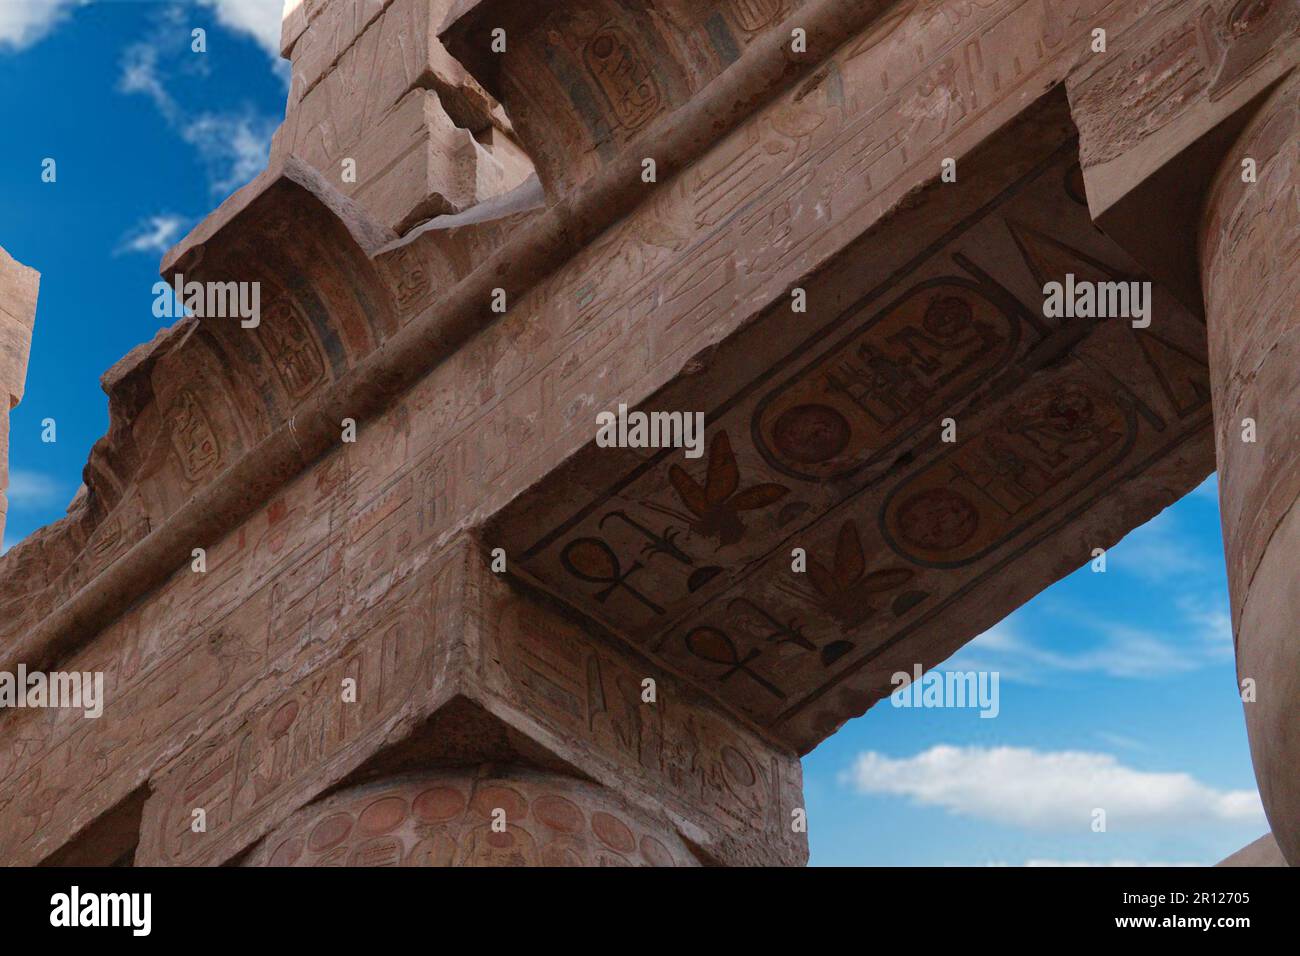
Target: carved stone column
x: 18, y: 285
x: 463, y: 818
x: 1250, y: 247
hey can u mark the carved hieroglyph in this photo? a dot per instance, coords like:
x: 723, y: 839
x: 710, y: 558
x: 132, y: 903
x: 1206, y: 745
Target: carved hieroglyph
x: 329, y: 561
x: 463, y: 819
x: 833, y: 447
x: 1253, y: 308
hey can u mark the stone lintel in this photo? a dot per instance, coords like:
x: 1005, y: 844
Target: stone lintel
x: 452, y: 634
x: 823, y: 434
x: 1158, y: 111
x: 231, y: 410
x: 629, y: 81
x: 620, y: 293
x: 853, y: 142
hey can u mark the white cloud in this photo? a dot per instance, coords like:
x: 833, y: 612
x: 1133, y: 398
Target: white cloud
x: 234, y: 146
x: 155, y: 234
x: 31, y: 489
x: 259, y: 19
x: 140, y: 75
x: 1048, y: 790
x: 1211, y: 623
x: 1159, y: 551
x: 24, y: 22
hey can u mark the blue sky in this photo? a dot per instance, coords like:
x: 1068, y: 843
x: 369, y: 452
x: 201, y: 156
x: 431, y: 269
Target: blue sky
x: 1116, y: 690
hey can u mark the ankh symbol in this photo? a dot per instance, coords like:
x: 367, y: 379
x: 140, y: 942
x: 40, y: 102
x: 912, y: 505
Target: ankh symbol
x: 591, y: 559
x: 710, y: 644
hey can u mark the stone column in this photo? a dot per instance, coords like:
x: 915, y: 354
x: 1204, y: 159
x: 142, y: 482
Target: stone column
x: 18, y: 287
x: 1250, y: 250
x: 466, y: 818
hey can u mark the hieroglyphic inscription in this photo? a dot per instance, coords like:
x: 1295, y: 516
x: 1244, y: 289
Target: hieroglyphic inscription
x: 446, y: 819
x: 623, y: 76
x: 669, y: 560
x: 294, y: 353
x: 679, y: 748
x: 1046, y: 447
x: 193, y: 437
x: 233, y: 775
x: 936, y: 341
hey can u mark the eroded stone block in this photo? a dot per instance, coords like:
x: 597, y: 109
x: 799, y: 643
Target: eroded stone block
x: 18, y: 289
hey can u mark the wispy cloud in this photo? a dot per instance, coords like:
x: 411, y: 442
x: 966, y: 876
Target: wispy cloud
x: 1210, y: 623
x: 1123, y: 741
x: 140, y: 75
x: 259, y: 19
x: 25, y: 22
x: 154, y: 234
x: 1048, y: 790
x: 31, y: 489
x: 233, y: 145
x: 1159, y: 551
x: 1116, y: 650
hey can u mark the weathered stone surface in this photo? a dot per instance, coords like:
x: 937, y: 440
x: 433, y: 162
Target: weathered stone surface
x: 1169, y: 79
x: 732, y: 793
x: 1253, y: 308
x: 446, y: 819
x: 583, y: 78
x: 18, y: 289
x: 329, y: 560
x: 436, y: 633
x: 1159, y: 109
x: 824, y: 435
x: 226, y: 694
x: 372, y: 86
x: 186, y: 409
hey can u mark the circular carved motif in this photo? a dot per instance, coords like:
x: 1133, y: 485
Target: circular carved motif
x: 559, y: 814
x: 330, y: 832
x: 947, y: 316
x: 655, y: 853
x: 811, y: 434
x: 446, y: 819
x: 937, y: 519
x: 508, y: 799
x: 612, y: 832
x: 282, y: 719
x: 737, y: 766
x: 288, y: 852
x: 437, y: 804
x: 382, y: 815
